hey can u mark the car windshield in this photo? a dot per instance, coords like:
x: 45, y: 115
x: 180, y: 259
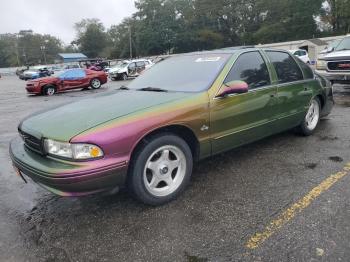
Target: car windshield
x: 187, y: 73
x: 334, y: 44
x: 344, y: 44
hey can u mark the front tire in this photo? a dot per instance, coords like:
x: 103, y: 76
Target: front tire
x: 49, y: 90
x: 160, y: 170
x: 95, y: 83
x: 312, y: 118
x: 124, y: 77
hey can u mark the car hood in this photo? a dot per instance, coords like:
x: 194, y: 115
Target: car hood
x: 64, y: 122
x: 338, y: 55
x: 116, y: 69
x: 44, y: 79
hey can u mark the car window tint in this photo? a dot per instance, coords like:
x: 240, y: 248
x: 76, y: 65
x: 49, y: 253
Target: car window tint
x: 73, y: 74
x: 286, y: 68
x: 250, y: 68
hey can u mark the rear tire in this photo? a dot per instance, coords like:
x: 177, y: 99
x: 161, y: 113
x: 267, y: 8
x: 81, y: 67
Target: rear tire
x: 160, y: 170
x: 49, y: 90
x: 312, y: 118
x: 95, y: 83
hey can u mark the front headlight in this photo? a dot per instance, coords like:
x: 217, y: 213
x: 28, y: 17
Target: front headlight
x: 321, y: 64
x: 72, y: 151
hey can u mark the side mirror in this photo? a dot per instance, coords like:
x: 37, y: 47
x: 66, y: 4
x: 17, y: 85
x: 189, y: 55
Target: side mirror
x: 233, y: 87
x: 330, y: 49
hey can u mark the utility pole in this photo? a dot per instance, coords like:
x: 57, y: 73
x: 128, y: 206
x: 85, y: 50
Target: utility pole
x: 130, y: 42
x: 16, y: 49
x: 43, y: 50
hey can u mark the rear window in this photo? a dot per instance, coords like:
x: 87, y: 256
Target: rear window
x: 286, y: 68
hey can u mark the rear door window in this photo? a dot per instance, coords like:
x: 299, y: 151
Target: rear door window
x: 286, y: 68
x: 251, y: 68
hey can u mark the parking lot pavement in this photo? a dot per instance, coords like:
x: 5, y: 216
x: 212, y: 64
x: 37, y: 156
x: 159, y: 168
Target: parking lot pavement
x: 280, y: 192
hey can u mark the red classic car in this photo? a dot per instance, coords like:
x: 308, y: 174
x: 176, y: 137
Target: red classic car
x: 70, y: 79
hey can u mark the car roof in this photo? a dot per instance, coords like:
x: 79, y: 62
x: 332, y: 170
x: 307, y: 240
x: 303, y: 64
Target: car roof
x: 233, y: 50
x: 293, y: 50
x: 139, y: 60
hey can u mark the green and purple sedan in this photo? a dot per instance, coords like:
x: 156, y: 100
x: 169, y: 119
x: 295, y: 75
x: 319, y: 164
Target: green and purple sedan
x: 147, y: 135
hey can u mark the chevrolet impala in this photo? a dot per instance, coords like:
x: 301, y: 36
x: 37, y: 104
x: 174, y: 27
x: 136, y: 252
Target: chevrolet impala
x: 146, y: 136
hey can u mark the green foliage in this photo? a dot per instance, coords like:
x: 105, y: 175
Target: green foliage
x: 175, y: 26
x: 28, y: 48
x: 92, y: 38
x: 336, y: 14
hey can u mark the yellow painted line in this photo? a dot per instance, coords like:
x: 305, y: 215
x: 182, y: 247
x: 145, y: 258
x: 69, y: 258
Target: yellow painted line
x: 296, y: 208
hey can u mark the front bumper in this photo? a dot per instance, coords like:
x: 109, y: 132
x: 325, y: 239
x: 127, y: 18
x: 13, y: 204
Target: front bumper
x: 66, y: 178
x: 338, y: 77
x: 33, y: 90
x: 114, y: 75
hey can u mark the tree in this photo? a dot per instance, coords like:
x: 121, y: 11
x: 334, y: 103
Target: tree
x: 286, y: 20
x: 336, y: 14
x: 92, y: 38
x: 27, y: 47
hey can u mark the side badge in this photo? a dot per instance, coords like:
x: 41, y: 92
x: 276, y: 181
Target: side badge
x: 204, y: 128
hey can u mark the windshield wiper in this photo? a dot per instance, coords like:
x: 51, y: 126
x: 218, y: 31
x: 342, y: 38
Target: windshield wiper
x: 154, y: 89
x: 343, y: 49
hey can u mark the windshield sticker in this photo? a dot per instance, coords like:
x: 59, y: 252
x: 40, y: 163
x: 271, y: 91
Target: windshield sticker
x: 208, y: 59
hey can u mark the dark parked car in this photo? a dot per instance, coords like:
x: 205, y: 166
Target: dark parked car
x: 148, y: 135
x: 70, y: 79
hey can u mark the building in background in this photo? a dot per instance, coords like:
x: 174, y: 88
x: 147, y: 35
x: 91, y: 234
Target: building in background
x: 71, y: 57
x: 312, y: 46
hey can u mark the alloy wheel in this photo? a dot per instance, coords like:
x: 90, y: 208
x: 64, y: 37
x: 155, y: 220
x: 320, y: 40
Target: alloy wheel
x: 50, y: 91
x: 95, y: 83
x: 164, y: 171
x: 312, y: 115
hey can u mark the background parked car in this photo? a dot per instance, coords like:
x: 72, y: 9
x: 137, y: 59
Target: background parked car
x: 129, y: 69
x: 35, y: 72
x: 335, y: 66
x: 67, y: 80
x: 330, y: 48
x: 302, y: 54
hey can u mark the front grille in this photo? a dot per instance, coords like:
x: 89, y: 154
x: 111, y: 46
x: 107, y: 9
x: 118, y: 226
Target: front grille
x: 339, y: 66
x: 31, y: 142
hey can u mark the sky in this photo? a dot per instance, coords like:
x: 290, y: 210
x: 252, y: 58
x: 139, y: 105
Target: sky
x: 57, y: 17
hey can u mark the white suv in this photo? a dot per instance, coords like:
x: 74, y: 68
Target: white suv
x: 128, y: 69
x: 302, y: 54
